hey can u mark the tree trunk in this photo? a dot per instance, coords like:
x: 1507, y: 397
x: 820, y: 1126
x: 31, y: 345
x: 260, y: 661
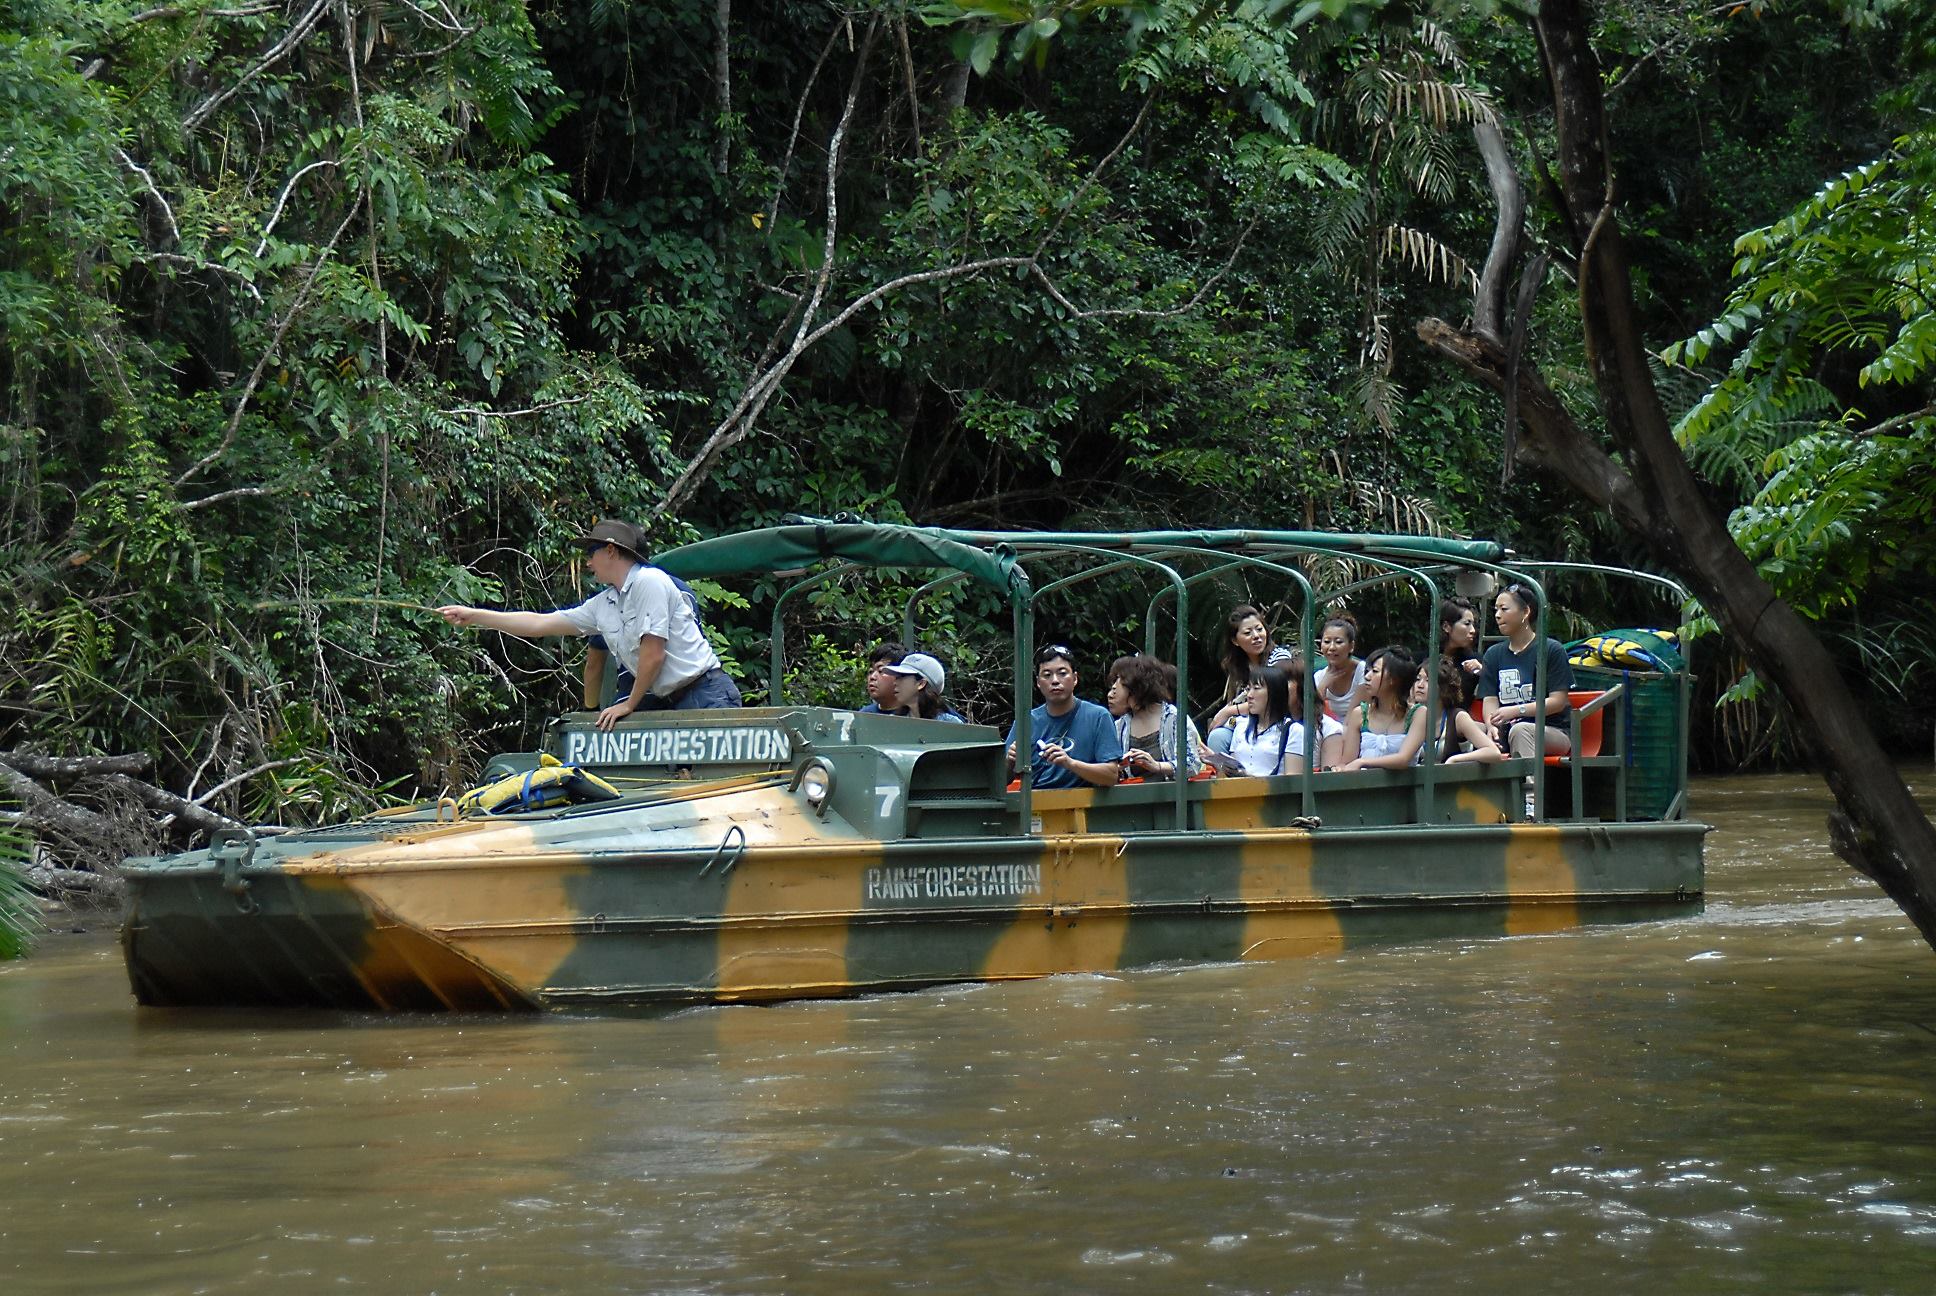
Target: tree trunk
x: 1654, y: 494
x: 722, y: 83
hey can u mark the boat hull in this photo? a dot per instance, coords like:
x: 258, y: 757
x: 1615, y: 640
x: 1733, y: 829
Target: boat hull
x: 791, y: 919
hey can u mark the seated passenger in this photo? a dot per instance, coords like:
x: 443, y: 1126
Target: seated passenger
x: 1508, y: 682
x: 1459, y: 641
x: 1341, y: 682
x: 1247, y: 643
x: 918, y: 683
x: 1270, y: 739
x: 880, y: 685
x: 1139, y: 698
x: 1074, y: 741
x: 1462, y: 740
x: 1387, y: 730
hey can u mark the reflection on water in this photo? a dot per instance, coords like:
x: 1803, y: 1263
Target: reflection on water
x: 1734, y: 1101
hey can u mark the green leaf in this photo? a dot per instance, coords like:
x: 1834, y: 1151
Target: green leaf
x: 981, y: 55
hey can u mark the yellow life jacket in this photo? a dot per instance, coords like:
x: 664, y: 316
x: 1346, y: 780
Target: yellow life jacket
x: 1617, y: 649
x: 553, y: 783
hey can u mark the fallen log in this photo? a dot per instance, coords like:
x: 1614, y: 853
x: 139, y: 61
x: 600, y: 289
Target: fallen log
x: 66, y: 768
x: 155, y: 798
x: 41, y: 809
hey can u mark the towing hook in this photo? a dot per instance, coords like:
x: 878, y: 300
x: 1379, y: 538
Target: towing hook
x: 729, y: 851
x: 234, y: 850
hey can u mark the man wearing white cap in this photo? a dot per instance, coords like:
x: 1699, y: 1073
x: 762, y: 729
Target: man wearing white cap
x: 644, y: 619
x: 919, y: 684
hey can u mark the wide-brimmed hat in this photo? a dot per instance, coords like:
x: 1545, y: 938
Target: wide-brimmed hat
x: 924, y: 666
x: 611, y: 531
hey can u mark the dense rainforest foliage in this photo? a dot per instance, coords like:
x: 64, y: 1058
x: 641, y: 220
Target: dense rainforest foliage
x: 319, y: 313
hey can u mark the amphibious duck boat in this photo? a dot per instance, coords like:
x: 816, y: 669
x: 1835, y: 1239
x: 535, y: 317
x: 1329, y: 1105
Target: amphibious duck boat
x: 780, y: 852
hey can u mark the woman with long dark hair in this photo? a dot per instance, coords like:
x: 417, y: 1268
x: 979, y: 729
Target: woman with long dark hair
x: 1386, y: 731
x: 1247, y: 643
x: 1461, y: 739
x: 1270, y: 737
x: 1459, y: 643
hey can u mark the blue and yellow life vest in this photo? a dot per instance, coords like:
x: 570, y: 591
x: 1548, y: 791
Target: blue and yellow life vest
x: 553, y: 783
x: 1638, y: 649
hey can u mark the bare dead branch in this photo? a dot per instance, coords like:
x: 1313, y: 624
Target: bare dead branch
x: 733, y: 427
x: 277, y: 52
x: 148, y: 183
x: 239, y: 492
x: 176, y: 11
x: 196, y: 263
x: 1889, y: 425
x: 244, y: 777
x: 516, y: 413
x: 770, y: 372
x: 450, y: 22
x: 1095, y: 173
x: 262, y: 363
x: 42, y: 809
x: 754, y: 399
x: 276, y: 213
x: 155, y: 798
x: 793, y: 132
x: 1196, y: 298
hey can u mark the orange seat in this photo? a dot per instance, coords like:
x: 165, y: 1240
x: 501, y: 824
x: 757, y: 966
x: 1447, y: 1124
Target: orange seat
x: 1590, y: 727
x: 1592, y: 724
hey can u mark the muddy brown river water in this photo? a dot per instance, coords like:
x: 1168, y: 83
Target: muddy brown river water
x: 1738, y: 1101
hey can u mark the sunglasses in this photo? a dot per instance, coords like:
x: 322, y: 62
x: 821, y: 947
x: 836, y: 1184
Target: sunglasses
x: 1054, y: 651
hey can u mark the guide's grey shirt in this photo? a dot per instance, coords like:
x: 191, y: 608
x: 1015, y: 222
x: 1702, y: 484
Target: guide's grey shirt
x: 647, y: 603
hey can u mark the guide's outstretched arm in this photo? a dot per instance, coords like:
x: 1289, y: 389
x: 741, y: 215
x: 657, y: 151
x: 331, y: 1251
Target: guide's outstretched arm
x: 525, y: 625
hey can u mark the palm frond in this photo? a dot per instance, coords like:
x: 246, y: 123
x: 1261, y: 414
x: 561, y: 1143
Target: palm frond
x: 1424, y: 253
x: 19, y: 907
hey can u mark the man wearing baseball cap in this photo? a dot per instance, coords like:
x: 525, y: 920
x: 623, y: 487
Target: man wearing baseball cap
x: 644, y: 619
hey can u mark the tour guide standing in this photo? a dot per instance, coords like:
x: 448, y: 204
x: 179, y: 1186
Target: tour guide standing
x: 644, y: 620
x: 1075, y: 741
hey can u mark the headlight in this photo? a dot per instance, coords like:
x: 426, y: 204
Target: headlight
x: 814, y: 778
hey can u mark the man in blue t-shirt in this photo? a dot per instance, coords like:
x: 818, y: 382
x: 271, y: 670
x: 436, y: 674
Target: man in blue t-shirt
x: 1075, y: 741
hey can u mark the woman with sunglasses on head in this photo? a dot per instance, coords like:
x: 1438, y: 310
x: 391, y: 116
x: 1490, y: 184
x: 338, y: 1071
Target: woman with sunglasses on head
x: 1508, y: 688
x: 1387, y: 730
x: 1075, y: 741
x: 1247, y: 643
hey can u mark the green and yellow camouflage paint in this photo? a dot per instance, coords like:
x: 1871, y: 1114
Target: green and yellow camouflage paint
x: 915, y: 871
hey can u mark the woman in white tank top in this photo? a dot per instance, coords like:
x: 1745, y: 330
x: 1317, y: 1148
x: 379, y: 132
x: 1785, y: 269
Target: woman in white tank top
x: 1386, y: 731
